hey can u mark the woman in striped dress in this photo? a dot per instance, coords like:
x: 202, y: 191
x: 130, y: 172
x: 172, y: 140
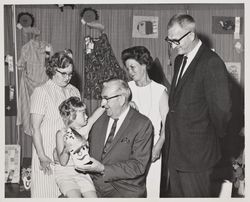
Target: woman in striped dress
x: 46, y: 120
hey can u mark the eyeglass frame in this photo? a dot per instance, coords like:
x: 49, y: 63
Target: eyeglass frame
x: 64, y: 73
x: 176, y: 41
x: 108, y: 98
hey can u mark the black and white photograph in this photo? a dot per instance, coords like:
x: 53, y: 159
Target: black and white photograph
x: 124, y: 100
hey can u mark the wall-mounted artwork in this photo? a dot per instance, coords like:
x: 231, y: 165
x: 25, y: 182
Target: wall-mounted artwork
x: 227, y: 25
x: 234, y: 68
x: 145, y: 27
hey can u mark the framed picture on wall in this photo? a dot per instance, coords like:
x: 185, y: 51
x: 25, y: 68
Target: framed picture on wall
x: 227, y: 25
x: 145, y: 27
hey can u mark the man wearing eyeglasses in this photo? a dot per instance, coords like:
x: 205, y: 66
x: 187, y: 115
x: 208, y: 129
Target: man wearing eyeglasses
x: 120, y: 144
x: 199, y: 110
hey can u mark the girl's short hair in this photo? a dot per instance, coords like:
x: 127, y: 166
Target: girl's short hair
x: 68, y: 109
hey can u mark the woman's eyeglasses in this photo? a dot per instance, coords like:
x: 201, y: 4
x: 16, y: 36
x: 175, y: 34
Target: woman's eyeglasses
x: 176, y: 41
x: 64, y: 74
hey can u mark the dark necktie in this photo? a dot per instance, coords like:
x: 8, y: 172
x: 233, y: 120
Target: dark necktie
x: 184, y: 61
x: 110, y: 137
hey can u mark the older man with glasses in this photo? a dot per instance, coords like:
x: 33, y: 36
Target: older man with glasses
x: 199, y: 110
x: 121, y: 142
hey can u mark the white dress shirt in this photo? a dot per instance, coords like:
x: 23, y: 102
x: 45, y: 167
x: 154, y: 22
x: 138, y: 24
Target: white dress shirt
x: 119, y: 123
x: 191, y: 55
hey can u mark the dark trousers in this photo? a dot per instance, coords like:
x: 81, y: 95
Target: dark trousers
x: 190, y: 184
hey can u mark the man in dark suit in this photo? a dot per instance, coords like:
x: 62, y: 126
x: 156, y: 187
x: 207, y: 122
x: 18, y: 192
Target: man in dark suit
x: 199, y: 110
x: 120, y: 169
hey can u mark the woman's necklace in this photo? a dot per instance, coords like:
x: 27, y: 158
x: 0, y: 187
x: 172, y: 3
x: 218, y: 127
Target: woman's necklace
x: 144, y: 95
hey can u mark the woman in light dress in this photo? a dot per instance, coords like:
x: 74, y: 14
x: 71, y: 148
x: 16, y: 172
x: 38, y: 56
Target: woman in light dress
x: 151, y: 99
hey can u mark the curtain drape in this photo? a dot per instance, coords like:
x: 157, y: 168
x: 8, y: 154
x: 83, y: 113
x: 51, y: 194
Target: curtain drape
x: 10, y: 127
x: 64, y: 30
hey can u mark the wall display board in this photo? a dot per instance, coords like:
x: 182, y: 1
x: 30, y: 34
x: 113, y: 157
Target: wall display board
x: 234, y: 68
x: 145, y: 27
x: 12, y: 163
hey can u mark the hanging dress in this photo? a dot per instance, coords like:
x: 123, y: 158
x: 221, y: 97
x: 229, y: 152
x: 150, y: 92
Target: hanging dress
x: 100, y: 65
x: 32, y: 60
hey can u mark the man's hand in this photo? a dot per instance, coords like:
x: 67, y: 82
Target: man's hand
x: 95, y: 167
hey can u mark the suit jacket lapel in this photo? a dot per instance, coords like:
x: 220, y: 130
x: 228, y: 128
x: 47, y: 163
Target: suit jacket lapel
x: 100, y: 144
x: 189, y: 70
x: 121, y: 132
x: 177, y: 66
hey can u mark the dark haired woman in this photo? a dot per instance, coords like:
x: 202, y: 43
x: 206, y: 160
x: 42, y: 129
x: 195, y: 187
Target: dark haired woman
x: 151, y: 99
x: 46, y: 120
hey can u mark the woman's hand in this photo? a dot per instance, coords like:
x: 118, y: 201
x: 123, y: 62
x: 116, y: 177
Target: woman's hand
x: 156, y: 152
x: 163, y: 108
x: 45, y: 161
x: 45, y: 165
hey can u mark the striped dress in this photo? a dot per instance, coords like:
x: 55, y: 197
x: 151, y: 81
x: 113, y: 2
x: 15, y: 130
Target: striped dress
x: 45, y: 101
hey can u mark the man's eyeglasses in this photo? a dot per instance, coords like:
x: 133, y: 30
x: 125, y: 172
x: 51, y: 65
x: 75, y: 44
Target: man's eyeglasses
x: 64, y: 74
x: 108, y: 98
x: 176, y: 41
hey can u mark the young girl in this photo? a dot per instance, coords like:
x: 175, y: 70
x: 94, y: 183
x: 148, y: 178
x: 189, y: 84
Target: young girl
x: 72, y: 149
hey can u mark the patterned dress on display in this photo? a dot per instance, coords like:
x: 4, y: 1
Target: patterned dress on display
x: 100, y: 65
